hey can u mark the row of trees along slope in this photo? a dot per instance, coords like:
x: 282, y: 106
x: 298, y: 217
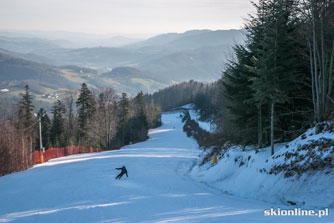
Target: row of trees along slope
x: 279, y: 82
x: 99, y: 119
x: 184, y: 93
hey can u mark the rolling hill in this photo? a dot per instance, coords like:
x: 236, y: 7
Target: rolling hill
x: 45, y: 80
x: 196, y: 54
x: 192, y: 39
x: 25, y: 44
x: 143, y: 66
x: 17, y: 69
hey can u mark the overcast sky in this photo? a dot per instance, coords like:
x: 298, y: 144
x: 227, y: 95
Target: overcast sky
x: 123, y: 16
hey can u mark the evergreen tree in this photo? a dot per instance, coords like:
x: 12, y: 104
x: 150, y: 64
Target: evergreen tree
x: 26, y: 124
x: 275, y: 64
x: 26, y: 109
x: 124, y: 116
x: 245, y: 112
x: 140, y: 103
x: 176, y: 95
x: 58, y: 126
x: 140, y: 122
x: 136, y: 129
x: 268, y: 81
x: 153, y: 115
x: 69, y: 101
x: 124, y: 113
x: 86, y: 109
x: 236, y: 88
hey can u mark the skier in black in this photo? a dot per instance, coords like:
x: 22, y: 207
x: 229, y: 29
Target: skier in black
x: 124, y: 171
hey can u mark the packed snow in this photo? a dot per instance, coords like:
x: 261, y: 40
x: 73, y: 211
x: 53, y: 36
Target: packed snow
x: 83, y: 188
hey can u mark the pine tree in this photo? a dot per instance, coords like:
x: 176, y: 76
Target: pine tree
x: 86, y: 109
x: 124, y: 106
x: 247, y: 113
x: 26, y: 109
x: 124, y: 116
x: 268, y: 81
x: 58, y: 126
x: 140, y: 103
x: 153, y: 115
x: 69, y: 101
x: 25, y: 125
x: 141, y: 115
x: 275, y: 62
x: 236, y: 88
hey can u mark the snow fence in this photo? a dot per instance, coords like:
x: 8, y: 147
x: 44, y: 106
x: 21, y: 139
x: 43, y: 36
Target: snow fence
x: 51, y: 153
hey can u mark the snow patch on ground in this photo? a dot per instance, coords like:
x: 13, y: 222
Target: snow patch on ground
x: 249, y: 174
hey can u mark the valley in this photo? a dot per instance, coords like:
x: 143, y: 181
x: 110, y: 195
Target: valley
x: 49, y: 67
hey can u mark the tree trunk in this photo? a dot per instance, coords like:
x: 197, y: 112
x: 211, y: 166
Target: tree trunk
x: 321, y: 56
x: 315, y: 67
x: 272, y: 128
x: 259, y: 127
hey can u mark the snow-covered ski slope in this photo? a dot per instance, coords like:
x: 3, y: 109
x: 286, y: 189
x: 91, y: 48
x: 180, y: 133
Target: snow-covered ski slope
x: 82, y: 188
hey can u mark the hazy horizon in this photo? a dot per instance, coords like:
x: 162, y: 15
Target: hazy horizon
x: 62, y: 33
x: 124, y: 18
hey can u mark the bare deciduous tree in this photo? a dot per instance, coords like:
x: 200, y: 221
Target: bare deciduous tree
x: 318, y: 16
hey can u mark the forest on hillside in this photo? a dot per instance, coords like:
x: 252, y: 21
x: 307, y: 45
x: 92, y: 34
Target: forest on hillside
x: 281, y: 80
x: 278, y: 84
x: 100, y: 119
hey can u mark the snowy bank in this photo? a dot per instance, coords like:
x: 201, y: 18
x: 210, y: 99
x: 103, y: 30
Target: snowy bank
x: 299, y: 173
x: 194, y: 114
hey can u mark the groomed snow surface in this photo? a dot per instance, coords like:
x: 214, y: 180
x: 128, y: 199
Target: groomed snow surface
x: 82, y: 188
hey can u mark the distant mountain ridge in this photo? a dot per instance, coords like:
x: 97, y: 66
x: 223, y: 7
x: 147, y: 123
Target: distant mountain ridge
x: 146, y: 65
x: 194, y: 39
x: 25, y: 44
x: 68, y: 39
x: 17, y: 69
